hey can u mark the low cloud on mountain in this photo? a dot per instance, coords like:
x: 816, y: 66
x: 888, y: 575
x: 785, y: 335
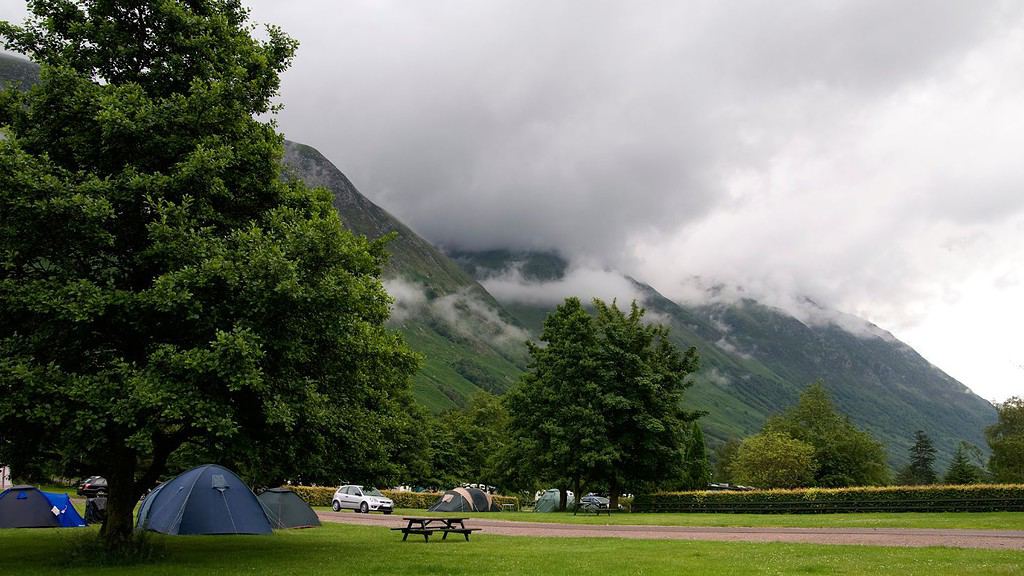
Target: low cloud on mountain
x: 462, y: 312
x: 860, y: 153
x: 584, y: 282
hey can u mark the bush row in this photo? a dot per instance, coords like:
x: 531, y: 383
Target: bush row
x: 322, y: 495
x: 937, y: 498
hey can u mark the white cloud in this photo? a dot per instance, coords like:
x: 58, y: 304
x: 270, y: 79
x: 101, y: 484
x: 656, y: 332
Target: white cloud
x: 583, y: 282
x: 463, y: 312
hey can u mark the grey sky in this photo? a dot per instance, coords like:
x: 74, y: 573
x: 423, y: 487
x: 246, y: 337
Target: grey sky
x: 863, y: 153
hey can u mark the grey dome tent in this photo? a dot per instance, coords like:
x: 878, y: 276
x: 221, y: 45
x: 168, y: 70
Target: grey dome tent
x: 30, y: 507
x: 548, y: 501
x: 209, y: 499
x: 285, y: 509
x: 465, y: 500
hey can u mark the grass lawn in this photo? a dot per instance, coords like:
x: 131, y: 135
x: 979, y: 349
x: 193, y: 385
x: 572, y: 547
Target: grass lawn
x: 962, y: 520
x: 341, y: 549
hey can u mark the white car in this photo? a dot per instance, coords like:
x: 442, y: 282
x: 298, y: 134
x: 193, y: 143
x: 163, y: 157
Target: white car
x: 361, y: 499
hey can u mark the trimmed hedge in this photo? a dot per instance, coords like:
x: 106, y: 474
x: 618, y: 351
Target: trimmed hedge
x: 322, y: 495
x: 936, y: 498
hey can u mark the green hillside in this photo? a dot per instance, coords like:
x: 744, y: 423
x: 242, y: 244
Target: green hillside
x: 468, y: 342
x: 756, y: 360
x: 18, y: 70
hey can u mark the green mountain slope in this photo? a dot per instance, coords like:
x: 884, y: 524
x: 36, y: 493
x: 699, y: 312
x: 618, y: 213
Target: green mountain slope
x: 17, y: 70
x: 468, y: 342
x: 757, y: 359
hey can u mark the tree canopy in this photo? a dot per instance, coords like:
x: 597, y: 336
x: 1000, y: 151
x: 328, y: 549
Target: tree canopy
x: 845, y: 455
x: 601, y: 401
x: 697, y: 473
x: 162, y: 290
x: 774, y: 460
x: 1006, y: 439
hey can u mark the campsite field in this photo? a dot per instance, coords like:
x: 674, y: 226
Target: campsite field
x: 342, y: 549
x: 950, y: 520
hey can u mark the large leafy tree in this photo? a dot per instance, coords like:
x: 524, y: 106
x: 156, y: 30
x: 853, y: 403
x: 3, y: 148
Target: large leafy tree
x: 467, y: 444
x: 845, y: 455
x: 1006, y: 439
x: 162, y: 290
x: 557, y: 428
x: 643, y: 377
x: 601, y: 402
x: 774, y: 460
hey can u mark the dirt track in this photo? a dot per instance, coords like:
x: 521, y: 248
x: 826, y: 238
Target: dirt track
x: 993, y: 539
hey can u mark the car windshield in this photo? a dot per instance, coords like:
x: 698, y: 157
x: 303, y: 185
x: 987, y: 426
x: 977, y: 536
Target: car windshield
x: 371, y: 492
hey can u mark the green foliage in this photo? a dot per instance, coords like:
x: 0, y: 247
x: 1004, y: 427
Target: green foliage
x: 921, y: 469
x: 163, y: 294
x: 932, y: 498
x: 556, y: 426
x: 1006, y: 439
x: 774, y: 460
x: 724, y: 457
x: 964, y: 469
x: 697, y: 469
x: 466, y: 445
x: 601, y: 401
x: 844, y: 454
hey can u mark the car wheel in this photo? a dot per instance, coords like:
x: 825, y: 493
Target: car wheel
x: 336, y: 506
x: 387, y: 511
x: 364, y: 508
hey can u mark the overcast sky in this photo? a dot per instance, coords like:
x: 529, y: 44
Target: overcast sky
x: 867, y: 154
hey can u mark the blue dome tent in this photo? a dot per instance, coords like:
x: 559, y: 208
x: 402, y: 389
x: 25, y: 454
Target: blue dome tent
x: 30, y: 507
x: 209, y: 499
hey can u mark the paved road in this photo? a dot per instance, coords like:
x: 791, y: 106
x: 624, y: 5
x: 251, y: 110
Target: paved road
x: 993, y: 539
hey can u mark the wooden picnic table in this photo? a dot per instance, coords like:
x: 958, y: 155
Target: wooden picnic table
x: 427, y: 525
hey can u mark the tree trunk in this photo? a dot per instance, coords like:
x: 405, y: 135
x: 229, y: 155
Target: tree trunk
x: 576, y: 492
x: 122, y: 496
x: 613, y: 493
x: 563, y: 498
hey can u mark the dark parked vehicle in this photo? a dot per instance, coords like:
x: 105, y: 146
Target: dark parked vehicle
x: 93, y: 486
x: 594, y: 502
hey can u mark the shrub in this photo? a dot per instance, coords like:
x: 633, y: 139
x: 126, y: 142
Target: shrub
x: 935, y: 498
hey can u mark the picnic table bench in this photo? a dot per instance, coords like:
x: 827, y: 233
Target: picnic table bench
x: 426, y: 525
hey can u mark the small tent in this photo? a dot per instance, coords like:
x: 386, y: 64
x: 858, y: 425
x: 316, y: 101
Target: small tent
x: 548, y: 501
x: 465, y: 500
x: 285, y: 509
x: 29, y: 507
x: 209, y: 499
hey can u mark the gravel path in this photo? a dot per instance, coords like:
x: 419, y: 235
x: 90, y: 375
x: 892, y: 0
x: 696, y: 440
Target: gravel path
x: 993, y: 539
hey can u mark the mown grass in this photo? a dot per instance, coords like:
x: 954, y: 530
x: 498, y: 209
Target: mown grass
x: 951, y: 520
x: 343, y: 549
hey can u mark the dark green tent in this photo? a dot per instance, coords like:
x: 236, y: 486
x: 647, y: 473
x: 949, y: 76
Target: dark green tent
x: 286, y: 510
x: 548, y: 502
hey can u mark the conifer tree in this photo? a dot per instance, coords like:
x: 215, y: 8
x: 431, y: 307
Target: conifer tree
x: 921, y: 469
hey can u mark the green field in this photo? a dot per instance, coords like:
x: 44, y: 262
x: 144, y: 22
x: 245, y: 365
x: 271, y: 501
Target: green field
x: 962, y: 520
x: 341, y: 549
